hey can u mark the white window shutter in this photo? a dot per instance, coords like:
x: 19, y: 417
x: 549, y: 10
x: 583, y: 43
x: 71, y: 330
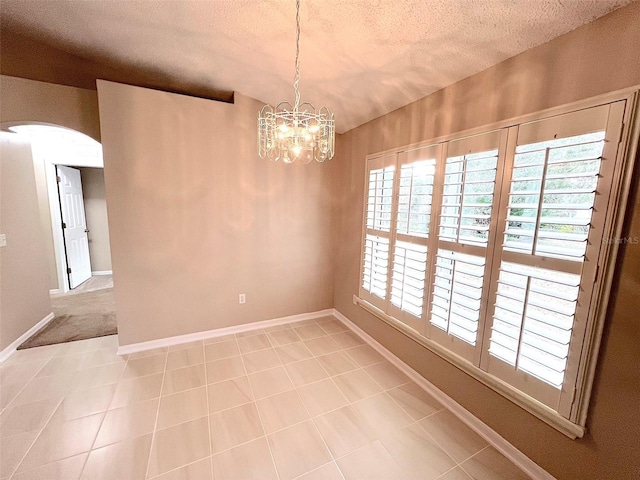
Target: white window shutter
x: 415, y: 194
x: 409, y: 267
x: 490, y: 246
x: 379, y: 216
x: 376, y: 259
x: 457, y: 294
x: 459, y: 289
x: 414, y: 223
x: 541, y: 292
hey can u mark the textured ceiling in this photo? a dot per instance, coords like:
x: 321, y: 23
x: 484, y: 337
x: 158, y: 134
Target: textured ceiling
x: 360, y: 58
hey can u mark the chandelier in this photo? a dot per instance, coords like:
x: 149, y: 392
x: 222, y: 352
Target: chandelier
x: 299, y: 131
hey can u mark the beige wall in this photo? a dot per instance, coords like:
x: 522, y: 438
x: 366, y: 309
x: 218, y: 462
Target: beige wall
x: 196, y: 218
x: 598, y: 58
x: 44, y: 214
x: 24, y: 279
x: 95, y: 208
x: 27, y: 101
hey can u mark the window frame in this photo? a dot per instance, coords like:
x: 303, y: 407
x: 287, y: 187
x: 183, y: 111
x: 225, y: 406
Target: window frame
x: 573, y: 424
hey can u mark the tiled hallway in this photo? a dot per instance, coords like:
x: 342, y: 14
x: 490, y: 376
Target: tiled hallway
x: 307, y: 400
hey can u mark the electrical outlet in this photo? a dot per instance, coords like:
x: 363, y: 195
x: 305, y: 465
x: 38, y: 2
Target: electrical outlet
x: 242, y: 298
x: 3, y: 240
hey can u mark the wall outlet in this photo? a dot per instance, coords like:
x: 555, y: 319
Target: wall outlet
x: 242, y: 298
x: 3, y: 240
x: 355, y: 299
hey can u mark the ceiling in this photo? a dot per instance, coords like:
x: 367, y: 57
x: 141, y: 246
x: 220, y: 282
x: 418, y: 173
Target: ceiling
x: 360, y: 58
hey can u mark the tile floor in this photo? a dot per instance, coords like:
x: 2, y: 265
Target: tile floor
x: 306, y: 400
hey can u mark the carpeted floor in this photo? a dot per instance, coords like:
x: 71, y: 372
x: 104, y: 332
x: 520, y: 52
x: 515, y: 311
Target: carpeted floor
x: 77, y: 316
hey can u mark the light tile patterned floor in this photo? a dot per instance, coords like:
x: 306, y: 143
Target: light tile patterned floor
x: 308, y: 400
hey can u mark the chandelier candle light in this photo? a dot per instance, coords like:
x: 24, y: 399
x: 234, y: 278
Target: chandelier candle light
x: 297, y: 132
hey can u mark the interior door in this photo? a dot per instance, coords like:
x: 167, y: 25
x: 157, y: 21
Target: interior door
x: 74, y: 225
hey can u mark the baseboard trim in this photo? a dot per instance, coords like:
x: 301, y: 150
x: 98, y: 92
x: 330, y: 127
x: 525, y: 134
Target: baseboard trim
x: 11, y: 349
x: 518, y: 458
x: 102, y: 272
x: 220, y: 332
x: 54, y: 291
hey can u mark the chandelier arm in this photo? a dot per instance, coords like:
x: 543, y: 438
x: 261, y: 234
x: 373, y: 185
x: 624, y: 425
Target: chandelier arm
x: 297, y: 75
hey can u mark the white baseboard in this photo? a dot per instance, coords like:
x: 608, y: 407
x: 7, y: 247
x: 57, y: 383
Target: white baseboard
x: 10, y: 350
x: 518, y: 458
x: 54, y: 291
x: 219, y: 332
x: 102, y: 272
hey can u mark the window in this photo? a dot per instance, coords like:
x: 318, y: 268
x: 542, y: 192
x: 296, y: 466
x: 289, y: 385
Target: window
x: 488, y: 248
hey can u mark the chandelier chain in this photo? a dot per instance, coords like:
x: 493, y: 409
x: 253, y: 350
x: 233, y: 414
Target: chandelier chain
x: 297, y: 75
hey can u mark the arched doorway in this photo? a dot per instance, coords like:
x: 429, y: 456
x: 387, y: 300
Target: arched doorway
x: 56, y: 148
x: 69, y: 179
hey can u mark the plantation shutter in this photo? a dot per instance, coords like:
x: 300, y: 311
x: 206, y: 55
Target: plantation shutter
x: 377, y: 234
x: 496, y: 251
x: 413, y: 227
x: 553, y: 204
x: 459, y: 289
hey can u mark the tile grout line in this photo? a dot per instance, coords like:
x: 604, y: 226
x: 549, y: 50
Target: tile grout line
x: 351, y: 403
x: 48, y: 420
x: 46, y: 423
x: 84, y: 465
x: 477, y: 453
x: 417, y: 424
x: 318, y: 468
x: 403, y: 409
x: 234, y: 378
x: 206, y: 392
x: 34, y: 442
x: 324, y: 442
x: 312, y: 418
x: 155, y: 425
x: 442, y: 475
x: 439, y: 444
x: 178, y: 468
x: 11, y: 404
x: 506, y: 449
x: 273, y: 460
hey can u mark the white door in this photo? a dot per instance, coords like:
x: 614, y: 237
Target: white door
x: 74, y: 225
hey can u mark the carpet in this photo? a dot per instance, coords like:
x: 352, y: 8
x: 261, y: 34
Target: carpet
x: 78, y: 316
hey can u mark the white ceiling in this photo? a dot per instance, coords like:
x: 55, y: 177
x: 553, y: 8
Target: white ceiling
x: 360, y: 58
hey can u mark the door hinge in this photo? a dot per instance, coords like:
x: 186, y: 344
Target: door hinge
x: 58, y: 179
x: 64, y: 225
x: 68, y: 270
